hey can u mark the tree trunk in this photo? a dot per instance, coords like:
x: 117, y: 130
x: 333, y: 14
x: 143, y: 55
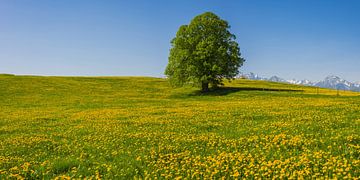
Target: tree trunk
x: 204, y: 87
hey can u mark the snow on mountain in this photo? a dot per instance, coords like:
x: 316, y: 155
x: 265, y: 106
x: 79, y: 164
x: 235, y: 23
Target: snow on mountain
x: 333, y: 82
x: 293, y: 81
x: 357, y: 84
x: 277, y: 79
x: 301, y: 82
x: 307, y: 82
x: 252, y: 76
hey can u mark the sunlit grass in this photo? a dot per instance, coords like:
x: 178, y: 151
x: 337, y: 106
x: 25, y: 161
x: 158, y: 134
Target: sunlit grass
x: 127, y: 127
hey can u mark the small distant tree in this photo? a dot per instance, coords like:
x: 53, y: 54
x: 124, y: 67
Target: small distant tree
x: 203, y: 53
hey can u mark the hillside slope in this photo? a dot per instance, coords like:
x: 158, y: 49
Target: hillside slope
x: 126, y: 127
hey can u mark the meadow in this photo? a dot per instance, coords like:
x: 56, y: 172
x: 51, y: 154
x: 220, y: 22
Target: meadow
x: 140, y: 127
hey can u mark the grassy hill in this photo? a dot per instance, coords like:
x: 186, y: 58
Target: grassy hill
x: 126, y: 127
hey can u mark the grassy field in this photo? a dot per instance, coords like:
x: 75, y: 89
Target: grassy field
x: 138, y: 127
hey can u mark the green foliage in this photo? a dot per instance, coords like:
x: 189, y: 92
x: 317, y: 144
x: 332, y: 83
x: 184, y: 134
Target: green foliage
x: 203, y: 52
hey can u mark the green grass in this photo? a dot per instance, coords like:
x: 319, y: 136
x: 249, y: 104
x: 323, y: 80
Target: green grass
x: 136, y: 127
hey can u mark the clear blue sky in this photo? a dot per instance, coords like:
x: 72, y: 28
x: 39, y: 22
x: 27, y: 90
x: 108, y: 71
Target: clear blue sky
x: 292, y: 39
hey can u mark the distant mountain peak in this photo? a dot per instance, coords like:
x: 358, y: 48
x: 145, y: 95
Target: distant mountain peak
x: 333, y: 78
x: 332, y: 81
x: 276, y: 79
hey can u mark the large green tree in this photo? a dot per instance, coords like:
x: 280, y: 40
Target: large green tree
x: 203, y: 53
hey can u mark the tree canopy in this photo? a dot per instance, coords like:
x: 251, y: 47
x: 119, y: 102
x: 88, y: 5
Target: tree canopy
x: 203, y: 53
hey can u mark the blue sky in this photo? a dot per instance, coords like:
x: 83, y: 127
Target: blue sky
x: 292, y: 39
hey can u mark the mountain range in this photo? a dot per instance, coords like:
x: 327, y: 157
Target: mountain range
x: 333, y: 82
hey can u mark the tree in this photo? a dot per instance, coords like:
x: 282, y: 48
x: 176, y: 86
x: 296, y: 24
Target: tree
x: 203, y: 53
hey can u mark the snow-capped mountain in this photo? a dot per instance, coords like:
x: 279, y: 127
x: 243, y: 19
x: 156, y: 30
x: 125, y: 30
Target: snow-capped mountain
x: 301, y: 82
x: 276, y: 79
x: 357, y: 84
x: 333, y: 82
x: 305, y: 82
x: 252, y: 76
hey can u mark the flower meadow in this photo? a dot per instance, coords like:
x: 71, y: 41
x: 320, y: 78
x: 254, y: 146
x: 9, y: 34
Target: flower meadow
x: 141, y: 128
